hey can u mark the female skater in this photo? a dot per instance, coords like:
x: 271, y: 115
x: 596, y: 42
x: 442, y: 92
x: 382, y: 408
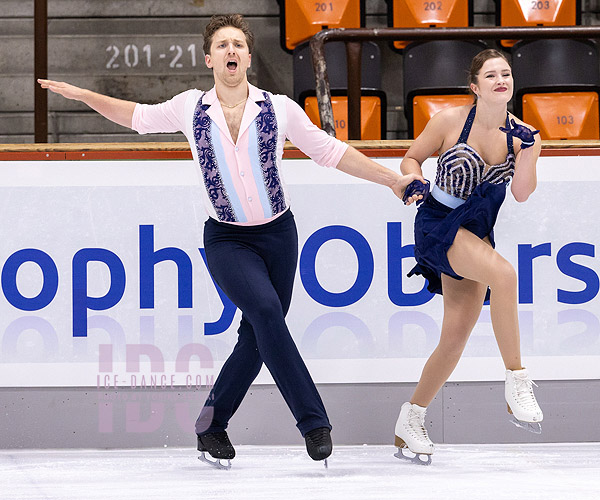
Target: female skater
x: 481, y: 149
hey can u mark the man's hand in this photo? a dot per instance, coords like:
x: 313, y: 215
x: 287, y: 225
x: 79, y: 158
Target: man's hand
x: 64, y: 89
x: 116, y: 110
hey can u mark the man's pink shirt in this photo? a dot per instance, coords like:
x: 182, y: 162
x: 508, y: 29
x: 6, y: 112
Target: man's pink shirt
x: 239, y: 165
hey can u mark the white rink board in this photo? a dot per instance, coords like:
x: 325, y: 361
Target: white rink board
x: 51, y: 211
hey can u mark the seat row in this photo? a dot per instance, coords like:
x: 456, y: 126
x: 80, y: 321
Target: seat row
x: 562, y: 100
x: 301, y: 19
x: 557, y: 85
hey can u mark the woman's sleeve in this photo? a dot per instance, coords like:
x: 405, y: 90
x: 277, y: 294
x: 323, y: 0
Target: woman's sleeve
x: 324, y: 149
x: 165, y: 117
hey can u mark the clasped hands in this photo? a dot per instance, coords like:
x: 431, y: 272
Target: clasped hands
x: 416, y: 192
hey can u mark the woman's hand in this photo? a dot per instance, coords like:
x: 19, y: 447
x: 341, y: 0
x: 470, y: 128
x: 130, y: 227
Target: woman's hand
x: 525, y: 134
x: 411, y: 188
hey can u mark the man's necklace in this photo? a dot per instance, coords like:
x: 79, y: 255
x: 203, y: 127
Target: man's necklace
x: 231, y: 106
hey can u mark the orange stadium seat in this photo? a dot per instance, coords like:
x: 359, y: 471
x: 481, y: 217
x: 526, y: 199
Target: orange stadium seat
x: 561, y: 101
x: 435, y: 76
x: 373, y: 99
x: 537, y: 13
x: 372, y: 115
x: 425, y: 106
x: 563, y: 115
x: 429, y: 14
x: 301, y: 19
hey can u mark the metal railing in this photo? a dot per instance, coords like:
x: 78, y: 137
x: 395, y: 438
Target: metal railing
x: 40, y: 57
x: 354, y: 38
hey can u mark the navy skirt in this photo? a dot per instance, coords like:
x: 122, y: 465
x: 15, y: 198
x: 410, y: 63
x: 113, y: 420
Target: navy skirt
x: 436, y: 226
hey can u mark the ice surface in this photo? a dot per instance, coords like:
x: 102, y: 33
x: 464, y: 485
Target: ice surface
x: 465, y: 472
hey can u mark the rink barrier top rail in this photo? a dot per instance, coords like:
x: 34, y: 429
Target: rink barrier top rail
x: 181, y: 150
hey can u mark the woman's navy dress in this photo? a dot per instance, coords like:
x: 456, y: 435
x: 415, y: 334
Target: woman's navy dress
x: 467, y: 193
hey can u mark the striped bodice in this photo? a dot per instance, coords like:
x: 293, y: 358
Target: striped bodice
x: 461, y: 168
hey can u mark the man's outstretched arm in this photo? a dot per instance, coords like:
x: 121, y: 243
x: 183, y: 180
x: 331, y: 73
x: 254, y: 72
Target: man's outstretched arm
x: 116, y: 110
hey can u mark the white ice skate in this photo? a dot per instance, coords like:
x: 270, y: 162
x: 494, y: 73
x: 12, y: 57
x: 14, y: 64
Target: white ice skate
x: 521, y: 402
x: 411, y: 434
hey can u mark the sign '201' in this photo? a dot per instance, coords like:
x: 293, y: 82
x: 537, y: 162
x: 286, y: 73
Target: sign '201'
x: 323, y: 6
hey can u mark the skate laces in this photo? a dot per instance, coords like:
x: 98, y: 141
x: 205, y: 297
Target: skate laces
x: 524, y: 389
x: 217, y: 442
x: 319, y: 436
x: 219, y: 438
x: 318, y: 443
x: 416, y: 421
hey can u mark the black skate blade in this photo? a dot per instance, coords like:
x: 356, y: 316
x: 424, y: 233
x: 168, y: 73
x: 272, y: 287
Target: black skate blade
x: 417, y: 459
x: 533, y: 427
x: 326, y: 464
x: 216, y: 463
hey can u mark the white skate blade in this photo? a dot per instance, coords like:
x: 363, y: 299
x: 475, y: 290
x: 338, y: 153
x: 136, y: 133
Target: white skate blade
x: 215, y: 463
x: 533, y: 427
x: 419, y: 458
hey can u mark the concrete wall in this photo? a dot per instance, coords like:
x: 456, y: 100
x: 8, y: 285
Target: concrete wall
x: 89, y: 39
x: 360, y: 414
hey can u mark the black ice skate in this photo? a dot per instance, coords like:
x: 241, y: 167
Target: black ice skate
x: 318, y: 444
x: 218, y: 446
